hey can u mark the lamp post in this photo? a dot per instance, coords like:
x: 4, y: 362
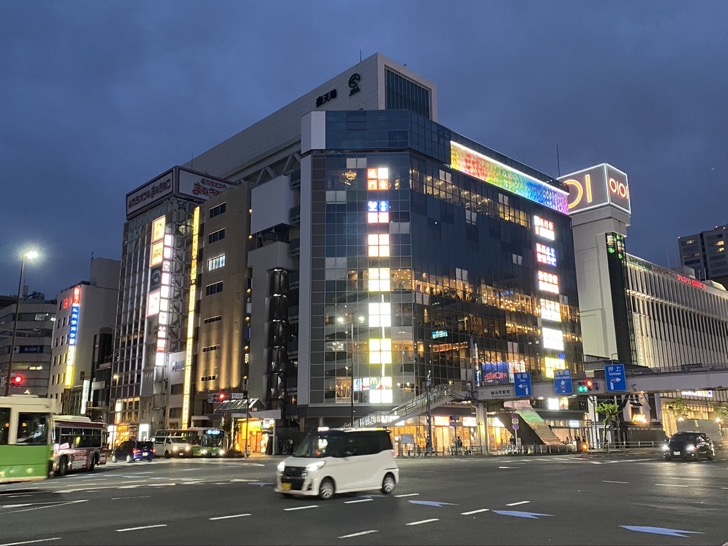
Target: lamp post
x: 30, y: 255
x: 428, y: 386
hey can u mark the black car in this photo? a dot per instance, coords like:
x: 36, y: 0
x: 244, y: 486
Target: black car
x: 133, y: 450
x: 689, y: 446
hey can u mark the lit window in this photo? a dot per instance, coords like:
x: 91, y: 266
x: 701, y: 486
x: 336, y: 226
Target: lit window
x: 544, y: 228
x: 216, y: 263
x: 553, y: 364
x: 378, y: 179
x: 379, y: 280
x: 380, y: 351
x: 378, y: 212
x: 378, y: 244
x: 550, y: 310
x: 545, y: 254
x: 548, y: 282
x: 380, y: 314
x: 552, y: 339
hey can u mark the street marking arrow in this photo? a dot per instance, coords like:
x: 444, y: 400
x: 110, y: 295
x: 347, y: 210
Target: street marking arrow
x: 436, y: 504
x: 661, y: 531
x: 517, y: 514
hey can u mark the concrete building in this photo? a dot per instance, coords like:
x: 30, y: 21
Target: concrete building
x: 83, y: 309
x: 31, y: 362
x: 705, y: 253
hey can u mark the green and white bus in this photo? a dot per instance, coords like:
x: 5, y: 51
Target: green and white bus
x: 26, y: 451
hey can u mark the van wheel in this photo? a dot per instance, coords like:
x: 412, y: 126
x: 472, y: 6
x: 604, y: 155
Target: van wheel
x: 166, y: 454
x: 113, y: 457
x: 128, y: 458
x: 388, y: 484
x: 326, y: 491
x: 63, y: 466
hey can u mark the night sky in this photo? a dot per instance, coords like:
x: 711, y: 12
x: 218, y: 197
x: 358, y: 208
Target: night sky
x: 98, y: 97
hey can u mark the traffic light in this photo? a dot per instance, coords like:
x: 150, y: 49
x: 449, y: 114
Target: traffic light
x: 17, y: 381
x: 585, y: 386
x: 221, y: 397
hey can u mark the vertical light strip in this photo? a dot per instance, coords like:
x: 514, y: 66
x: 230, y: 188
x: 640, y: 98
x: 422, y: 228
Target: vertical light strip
x: 191, y: 320
x: 72, y: 336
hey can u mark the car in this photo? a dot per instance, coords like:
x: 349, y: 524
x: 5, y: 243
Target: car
x: 133, y: 450
x: 331, y: 461
x: 689, y: 446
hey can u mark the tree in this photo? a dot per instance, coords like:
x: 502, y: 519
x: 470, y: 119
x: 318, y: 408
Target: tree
x: 722, y: 412
x: 610, y: 412
x: 679, y: 408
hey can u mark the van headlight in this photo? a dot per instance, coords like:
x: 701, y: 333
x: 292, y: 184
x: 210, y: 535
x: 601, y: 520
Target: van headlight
x: 690, y: 447
x: 282, y: 466
x: 187, y: 448
x: 665, y: 447
x: 315, y: 466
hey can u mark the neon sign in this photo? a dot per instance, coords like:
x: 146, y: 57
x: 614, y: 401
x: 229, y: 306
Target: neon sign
x: 597, y: 186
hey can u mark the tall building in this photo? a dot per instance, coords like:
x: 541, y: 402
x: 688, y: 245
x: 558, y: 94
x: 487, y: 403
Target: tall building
x: 31, y: 362
x: 705, y: 253
x: 83, y: 309
x: 151, y: 313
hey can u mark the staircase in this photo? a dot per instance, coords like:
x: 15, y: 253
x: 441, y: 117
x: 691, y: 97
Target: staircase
x: 439, y: 395
x: 541, y: 431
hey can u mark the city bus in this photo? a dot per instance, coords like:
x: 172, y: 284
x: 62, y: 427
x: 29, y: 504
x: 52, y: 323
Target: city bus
x: 205, y: 441
x: 26, y: 452
x: 78, y: 443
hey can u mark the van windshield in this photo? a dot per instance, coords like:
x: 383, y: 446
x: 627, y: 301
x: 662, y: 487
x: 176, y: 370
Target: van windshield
x: 321, y: 444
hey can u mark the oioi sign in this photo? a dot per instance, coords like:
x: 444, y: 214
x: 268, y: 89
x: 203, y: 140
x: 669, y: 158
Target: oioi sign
x: 597, y: 186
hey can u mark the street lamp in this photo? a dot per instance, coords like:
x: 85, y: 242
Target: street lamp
x: 30, y: 255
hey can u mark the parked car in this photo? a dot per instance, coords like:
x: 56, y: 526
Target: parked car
x: 133, y: 450
x: 689, y: 446
x: 334, y: 461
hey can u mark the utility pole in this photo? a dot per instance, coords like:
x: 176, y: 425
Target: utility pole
x: 247, y: 416
x: 428, y: 386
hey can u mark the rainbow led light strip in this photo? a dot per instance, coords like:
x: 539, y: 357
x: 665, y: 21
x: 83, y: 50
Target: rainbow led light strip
x: 491, y: 171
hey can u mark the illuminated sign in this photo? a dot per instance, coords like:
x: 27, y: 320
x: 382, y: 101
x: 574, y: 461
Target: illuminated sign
x: 502, y: 176
x: 553, y: 339
x: 545, y: 254
x: 73, y: 325
x: 544, y: 228
x: 201, y: 187
x: 157, y: 254
x: 597, y: 186
x: 691, y: 282
x: 615, y: 245
x: 698, y: 394
x: 151, y: 193
x: 437, y: 334
x: 158, y: 228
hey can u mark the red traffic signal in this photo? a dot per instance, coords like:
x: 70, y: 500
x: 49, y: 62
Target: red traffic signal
x: 221, y: 397
x: 17, y: 381
x: 589, y: 384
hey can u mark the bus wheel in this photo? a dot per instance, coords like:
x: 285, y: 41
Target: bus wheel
x: 63, y: 466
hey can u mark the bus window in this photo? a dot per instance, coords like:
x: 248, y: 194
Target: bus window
x: 32, y: 428
x: 4, y: 426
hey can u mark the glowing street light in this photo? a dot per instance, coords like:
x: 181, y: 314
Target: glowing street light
x: 29, y: 255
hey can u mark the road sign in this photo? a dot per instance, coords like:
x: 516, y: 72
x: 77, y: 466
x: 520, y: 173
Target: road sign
x: 514, y: 420
x: 562, y: 382
x: 523, y: 384
x: 515, y: 426
x: 616, y: 378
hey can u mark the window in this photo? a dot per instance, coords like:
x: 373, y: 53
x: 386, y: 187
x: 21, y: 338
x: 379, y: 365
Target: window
x: 378, y: 212
x: 380, y: 351
x: 212, y: 319
x: 548, y: 282
x: 32, y: 429
x: 216, y: 263
x: 218, y: 210
x: 211, y: 289
x: 177, y: 388
x: 553, y: 339
x: 544, y: 228
x: 550, y: 310
x: 378, y: 244
x: 175, y: 413
x: 380, y: 314
x: 545, y: 254
x: 4, y: 426
x: 379, y: 279
x: 218, y: 235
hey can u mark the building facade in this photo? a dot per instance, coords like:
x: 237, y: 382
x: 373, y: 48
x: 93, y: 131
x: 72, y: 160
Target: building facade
x: 705, y: 253
x: 82, y: 310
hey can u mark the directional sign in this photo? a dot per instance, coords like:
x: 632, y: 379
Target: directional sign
x: 616, y: 378
x: 523, y: 384
x: 562, y: 383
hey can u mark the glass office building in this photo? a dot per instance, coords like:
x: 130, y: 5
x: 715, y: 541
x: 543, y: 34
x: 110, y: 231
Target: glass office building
x: 426, y: 254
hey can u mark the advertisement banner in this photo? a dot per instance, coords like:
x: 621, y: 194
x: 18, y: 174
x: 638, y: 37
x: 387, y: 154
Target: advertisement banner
x: 495, y: 372
x: 149, y: 194
x: 201, y: 187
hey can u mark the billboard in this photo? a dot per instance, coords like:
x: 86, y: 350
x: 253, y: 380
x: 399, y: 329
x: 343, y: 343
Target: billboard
x: 200, y: 186
x: 149, y: 194
x: 597, y: 186
x: 494, y: 372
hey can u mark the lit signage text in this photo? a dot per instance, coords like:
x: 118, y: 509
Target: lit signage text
x: 597, y: 186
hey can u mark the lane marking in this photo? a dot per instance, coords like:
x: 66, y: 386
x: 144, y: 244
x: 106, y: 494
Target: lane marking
x: 30, y: 541
x: 229, y: 517
x: 506, y: 467
x: 688, y: 479
x: 423, y: 521
x: 671, y: 485
x: 407, y: 495
x: 124, y: 498
x: 612, y: 481
x: 355, y: 501
x: 475, y: 512
x: 517, y: 503
x: 141, y: 528
x: 44, y: 507
x: 300, y: 508
x: 360, y: 534
x: 26, y: 495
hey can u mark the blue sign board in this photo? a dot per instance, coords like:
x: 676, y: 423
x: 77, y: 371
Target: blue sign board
x: 522, y: 381
x: 616, y: 378
x: 562, y: 382
x: 495, y: 372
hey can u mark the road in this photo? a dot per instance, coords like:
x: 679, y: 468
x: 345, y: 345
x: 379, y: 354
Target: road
x: 601, y: 499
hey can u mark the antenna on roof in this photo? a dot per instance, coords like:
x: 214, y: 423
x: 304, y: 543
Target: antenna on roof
x: 558, y: 162
x: 360, y: 55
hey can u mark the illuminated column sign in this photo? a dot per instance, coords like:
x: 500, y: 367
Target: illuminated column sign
x: 187, y: 392
x: 160, y: 280
x: 380, y: 313
x: 72, y: 336
x: 597, y: 186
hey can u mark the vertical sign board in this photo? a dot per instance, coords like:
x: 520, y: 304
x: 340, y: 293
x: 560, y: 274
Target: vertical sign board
x: 562, y: 383
x: 616, y: 378
x: 522, y: 382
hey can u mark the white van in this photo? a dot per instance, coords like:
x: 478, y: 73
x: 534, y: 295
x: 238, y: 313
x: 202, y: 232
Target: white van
x: 172, y: 446
x: 331, y: 461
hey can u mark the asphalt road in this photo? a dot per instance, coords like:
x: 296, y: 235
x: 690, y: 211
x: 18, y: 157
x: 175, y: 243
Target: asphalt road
x: 602, y: 499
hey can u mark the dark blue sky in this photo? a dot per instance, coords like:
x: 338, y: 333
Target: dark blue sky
x: 99, y: 97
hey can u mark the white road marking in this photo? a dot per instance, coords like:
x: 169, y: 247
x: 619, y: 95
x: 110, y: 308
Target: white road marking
x: 475, y: 512
x: 229, y: 517
x: 355, y: 501
x: 506, y: 467
x: 234, y: 480
x: 612, y: 481
x: 128, y: 486
x: 141, y: 528
x: 124, y: 498
x: 688, y: 479
x: 300, y: 508
x: 360, y: 533
x: 407, y: 495
x: 671, y: 485
x: 30, y: 541
x: 517, y: 503
x: 44, y: 507
x: 423, y: 521
x: 161, y: 484
x: 17, y: 496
